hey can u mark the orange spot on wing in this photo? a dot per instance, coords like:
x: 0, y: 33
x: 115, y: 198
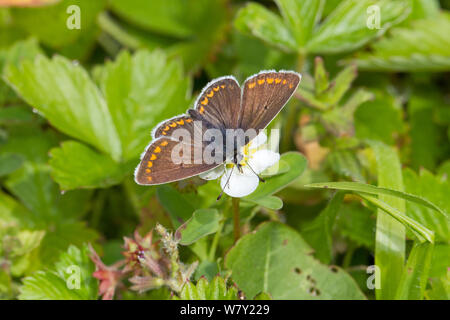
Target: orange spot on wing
x: 205, y: 101
x: 201, y: 110
x: 222, y: 86
x: 148, y: 170
x: 284, y: 81
x: 153, y: 157
x: 181, y: 122
x: 164, y: 133
x: 173, y: 124
x: 261, y: 81
x: 164, y: 143
x: 216, y: 88
x: 149, y: 179
x: 277, y: 80
x: 149, y: 164
x: 188, y: 120
x: 210, y: 94
x: 157, y: 150
x: 252, y: 85
x: 290, y: 85
x: 269, y: 80
x: 166, y: 128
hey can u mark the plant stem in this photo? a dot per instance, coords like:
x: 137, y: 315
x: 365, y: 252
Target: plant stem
x: 212, y: 250
x: 236, y: 219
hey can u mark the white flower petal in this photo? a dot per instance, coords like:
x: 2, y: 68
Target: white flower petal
x: 263, y: 159
x: 259, y: 140
x: 213, y: 173
x: 240, y: 184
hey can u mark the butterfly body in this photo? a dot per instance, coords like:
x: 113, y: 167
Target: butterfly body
x: 225, y: 118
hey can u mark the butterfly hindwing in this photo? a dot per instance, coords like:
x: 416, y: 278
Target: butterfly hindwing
x: 219, y: 103
x: 264, y: 95
x: 162, y: 163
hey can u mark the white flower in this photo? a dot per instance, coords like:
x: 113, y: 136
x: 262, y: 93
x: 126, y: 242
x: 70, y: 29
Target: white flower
x: 236, y: 183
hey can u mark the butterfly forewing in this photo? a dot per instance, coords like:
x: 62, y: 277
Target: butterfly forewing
x: 219, y: 103
x: 167, y: 128
x: 264, y: 95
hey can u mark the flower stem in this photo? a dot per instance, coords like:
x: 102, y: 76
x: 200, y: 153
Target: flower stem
x: 236, y: 219
x: 212, y: 250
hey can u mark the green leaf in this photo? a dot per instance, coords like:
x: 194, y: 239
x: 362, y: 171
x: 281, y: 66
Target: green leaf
x: 137, y: 102
x: 60, y: 282
x: 356, y: 222
x: 54, y: 32
x: 205, y: 290
x: 202, y: 223
x: 9, y: 162
x: 297, y: 164
x: 15, y: 114
x: 194, y: 37
x: 345, y: 29
x: 24, y: 254
x: 276, y: 260
x: 63, y: 92
x: 340, y: 85
x: 422, y: 233
x: 256, y: 20
x: 428, y: 141
x: 318, y: 232
x: 435, y: 189
x: 388, y: 121
x: 374, y: 190
x: 390, y: 234
x: 301, y: 17
x: 419, y: 47
x: 34, y: 187
x: 269, y: 202
x: 440, y: 288
x: 178, y: 207
x: 75, y: 165
x: 415, y: 275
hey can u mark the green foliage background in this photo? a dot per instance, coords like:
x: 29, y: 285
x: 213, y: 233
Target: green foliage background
x: 372, y: 114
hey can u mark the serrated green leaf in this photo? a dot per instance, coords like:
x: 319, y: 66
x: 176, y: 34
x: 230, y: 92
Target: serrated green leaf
x: 75, y: 165
x: 63, y: 92
x: 434, y: 189
x: 420, y: 47
x: 202, y: 223
x: 258, y: 21
x: 346, y: 29
x: 275, y: 259
x: 60, y: 282
x: 205, y: 290
x: 301, y: 17
x: 137, y: 102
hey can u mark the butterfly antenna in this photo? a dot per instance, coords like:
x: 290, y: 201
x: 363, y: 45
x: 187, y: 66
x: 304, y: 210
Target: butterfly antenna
x: 260, y: 179
x: 226, y: 184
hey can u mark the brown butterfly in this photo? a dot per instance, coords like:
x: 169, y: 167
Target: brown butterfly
x: 222, y: 105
